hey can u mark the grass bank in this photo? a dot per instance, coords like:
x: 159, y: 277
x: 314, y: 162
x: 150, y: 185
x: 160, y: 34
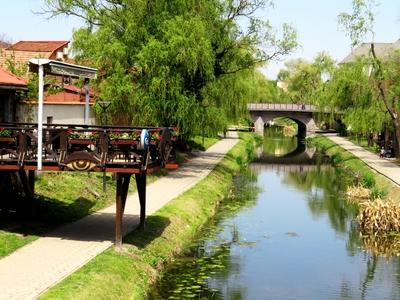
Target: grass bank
x: 379, y: 185
x: 129, y: 274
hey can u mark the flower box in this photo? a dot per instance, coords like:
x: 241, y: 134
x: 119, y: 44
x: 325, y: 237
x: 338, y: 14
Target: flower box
x: 6, y: 139
x: 82, y: 141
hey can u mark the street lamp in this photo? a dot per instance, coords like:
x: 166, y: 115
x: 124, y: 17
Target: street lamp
x: 104, y: 106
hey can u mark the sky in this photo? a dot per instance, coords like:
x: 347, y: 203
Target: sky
x: 315, y: 21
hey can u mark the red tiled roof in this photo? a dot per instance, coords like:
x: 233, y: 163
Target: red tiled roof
x: 4, y: 45
x: 38, y: 46
x: 71, y: 95
x: 9, y: 79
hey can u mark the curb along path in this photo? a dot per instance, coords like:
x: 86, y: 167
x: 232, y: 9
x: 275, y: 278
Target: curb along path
x: 386, y: 168
x: 32, y: 269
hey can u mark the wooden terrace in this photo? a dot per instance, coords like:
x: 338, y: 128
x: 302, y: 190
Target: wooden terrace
x: 120, y: 150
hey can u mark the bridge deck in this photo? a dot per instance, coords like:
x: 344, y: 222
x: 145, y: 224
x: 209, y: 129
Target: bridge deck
x: 121, y: 150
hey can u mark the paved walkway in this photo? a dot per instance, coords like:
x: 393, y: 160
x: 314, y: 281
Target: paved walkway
x: 32, y: 269
x: 380, y: 165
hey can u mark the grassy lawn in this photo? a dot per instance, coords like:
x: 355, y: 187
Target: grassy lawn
x: 133, y: 270
x: 364, y: 143
x: 357, y: 167
x: 197, y: 142
x: 10, y: 242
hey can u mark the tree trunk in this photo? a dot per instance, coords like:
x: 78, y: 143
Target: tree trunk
x: 396, y: 138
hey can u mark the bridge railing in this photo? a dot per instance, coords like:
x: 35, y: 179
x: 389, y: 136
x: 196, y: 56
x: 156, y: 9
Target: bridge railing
x: 281, y: 107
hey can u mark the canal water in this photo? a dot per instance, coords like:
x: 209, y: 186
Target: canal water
x: 285, y: 232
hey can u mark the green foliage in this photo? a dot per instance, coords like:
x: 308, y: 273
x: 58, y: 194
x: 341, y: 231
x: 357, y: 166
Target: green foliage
x: 383, y: 71
x: 360, y: 22
x: 177, y: 62
x: 305, y: 80
x: 368, y: 180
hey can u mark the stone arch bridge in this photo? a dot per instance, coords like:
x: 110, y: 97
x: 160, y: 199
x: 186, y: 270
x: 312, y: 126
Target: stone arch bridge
x: 303, y: 115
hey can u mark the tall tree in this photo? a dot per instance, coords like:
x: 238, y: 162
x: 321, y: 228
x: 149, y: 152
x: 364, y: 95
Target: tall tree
x: 384, y: 72
x: 158, y: 58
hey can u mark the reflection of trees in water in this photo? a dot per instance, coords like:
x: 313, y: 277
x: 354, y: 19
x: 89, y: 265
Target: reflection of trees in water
x: 275, y: 143
x: 203, y: 272
x: 325, y: 188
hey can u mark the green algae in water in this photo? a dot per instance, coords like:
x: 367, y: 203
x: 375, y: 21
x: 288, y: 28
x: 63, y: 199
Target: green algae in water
x: 187, y: 277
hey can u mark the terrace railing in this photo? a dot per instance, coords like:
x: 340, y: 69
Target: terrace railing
x: 121, y: 150
x: 86, y: 148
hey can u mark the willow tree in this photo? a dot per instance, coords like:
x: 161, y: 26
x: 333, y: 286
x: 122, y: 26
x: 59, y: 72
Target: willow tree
x: 305, y: 79
x: 157, y: 58
x: 384, y: 72
x: 350, y: 92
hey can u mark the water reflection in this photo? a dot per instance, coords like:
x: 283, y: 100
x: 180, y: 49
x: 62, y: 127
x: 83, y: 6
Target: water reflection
x: 286, y: 233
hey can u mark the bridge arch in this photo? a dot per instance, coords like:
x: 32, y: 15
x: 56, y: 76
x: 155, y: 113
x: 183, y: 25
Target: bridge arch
x: 303, y: 115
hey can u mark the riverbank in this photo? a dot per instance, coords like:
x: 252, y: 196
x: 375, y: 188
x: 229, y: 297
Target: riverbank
x: 377, y: 183
x: 168, y: 231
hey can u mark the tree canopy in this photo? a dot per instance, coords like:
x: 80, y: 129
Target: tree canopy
x: 175, y: 62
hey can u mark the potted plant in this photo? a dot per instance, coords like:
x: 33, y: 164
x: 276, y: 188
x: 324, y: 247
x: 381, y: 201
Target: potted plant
x: 81, y: 138
x: 174, y: 134
x: 124, y: 138
x: 6, y: 135
x: 155, y: 137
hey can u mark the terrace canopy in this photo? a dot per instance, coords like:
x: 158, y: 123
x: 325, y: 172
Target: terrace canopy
x: 53, y: 67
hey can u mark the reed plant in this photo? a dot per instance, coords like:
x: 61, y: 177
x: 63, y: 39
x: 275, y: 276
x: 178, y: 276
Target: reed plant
x: 357, y: 193
x: 379, y: 216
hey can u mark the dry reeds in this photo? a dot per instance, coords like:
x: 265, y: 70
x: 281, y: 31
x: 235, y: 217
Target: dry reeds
x: 381, y: 245
x: 379, y: 216
x: 357, y: 194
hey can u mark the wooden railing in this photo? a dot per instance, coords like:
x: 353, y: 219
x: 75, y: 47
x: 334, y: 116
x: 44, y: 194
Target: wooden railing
x: 121, y: 150
x: 86, y: 148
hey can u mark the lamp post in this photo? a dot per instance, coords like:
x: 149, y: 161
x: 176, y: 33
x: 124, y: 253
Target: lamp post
x: 104, y: 106
x: 44, y: 66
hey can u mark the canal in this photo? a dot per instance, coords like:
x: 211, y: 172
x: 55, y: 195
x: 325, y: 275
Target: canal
x: 285, y: 232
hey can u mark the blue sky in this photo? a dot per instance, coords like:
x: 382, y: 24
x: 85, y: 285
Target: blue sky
x: 315, y: 21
